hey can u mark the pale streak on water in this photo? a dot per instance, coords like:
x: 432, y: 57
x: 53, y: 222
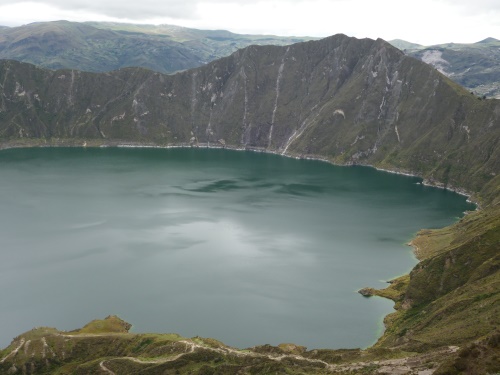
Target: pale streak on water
x: 243, y: 247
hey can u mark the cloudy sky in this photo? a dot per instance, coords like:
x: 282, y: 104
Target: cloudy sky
x: 424, y: 21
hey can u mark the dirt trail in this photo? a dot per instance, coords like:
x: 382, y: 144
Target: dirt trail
x: 105, y: 369
x: 408, y: 365
x: 194, y: 346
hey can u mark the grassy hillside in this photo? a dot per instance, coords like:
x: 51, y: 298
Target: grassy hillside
x: 452, y: 297
x: 214, y: 40
x: 63, y: 44
x: 101, y: 47
x: 405, y: 45
x: 49, y: 351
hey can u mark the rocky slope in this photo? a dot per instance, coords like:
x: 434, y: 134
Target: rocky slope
x: 475, y: 66
x: 340, y: 99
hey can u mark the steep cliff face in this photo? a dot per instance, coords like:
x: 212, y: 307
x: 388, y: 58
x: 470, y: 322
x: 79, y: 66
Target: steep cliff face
x: 343, y: 99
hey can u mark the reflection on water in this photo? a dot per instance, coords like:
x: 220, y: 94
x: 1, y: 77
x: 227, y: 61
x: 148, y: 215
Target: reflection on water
x: 247, y: 248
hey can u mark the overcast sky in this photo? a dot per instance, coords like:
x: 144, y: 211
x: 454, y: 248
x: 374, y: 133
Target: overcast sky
x: 423, y: 21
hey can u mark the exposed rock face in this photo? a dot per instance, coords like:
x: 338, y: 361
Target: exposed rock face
x: 366, y: 292
x: 474, y: 66
x: 347, y: 100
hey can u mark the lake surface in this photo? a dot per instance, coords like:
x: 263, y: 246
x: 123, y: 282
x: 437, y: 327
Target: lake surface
x: 244, y: 247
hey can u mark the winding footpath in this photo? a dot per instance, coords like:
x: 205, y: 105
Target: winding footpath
x: 225, y: 351
x: 398, y: 366
x: 192, y: 347
x: 409, y: 365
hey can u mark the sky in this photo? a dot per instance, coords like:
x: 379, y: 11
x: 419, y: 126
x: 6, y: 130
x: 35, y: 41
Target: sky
x: 425, y: 22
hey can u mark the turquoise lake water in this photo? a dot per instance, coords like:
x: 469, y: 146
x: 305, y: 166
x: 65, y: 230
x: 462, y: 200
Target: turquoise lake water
x: 245, y: 247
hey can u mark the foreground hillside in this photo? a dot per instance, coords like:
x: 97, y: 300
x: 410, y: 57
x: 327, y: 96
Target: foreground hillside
x: 344, y: 100
x: 106, y: 347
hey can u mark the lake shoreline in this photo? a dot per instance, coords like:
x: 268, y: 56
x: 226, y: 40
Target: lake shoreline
x: 120, y: 144
x: 83, y: 143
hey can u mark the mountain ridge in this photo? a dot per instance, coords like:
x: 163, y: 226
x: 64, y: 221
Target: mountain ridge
x: 107, y: 46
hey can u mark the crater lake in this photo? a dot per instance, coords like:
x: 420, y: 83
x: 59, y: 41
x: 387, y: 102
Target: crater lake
x: 248, y: 248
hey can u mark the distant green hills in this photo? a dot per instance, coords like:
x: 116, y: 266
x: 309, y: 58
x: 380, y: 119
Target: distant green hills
x: 475, y: 66
x: 107, y: 46
x: 404, y: 45
x: 101, y: 47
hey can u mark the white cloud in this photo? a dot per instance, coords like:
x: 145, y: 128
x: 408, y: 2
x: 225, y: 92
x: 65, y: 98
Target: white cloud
x: 116, y: 8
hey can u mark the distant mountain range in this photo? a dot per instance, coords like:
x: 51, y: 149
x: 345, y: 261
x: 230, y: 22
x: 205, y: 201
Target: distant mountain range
x: 101, y: 47
x: 475, y: 66
x: 404, y: 45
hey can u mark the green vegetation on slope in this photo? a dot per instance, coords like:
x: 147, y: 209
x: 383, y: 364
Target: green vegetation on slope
x: 404, y: 45
x: 49, y: 351
x: 452, y: 297
x: 63, y: 44
x: 475, y: 66
x: 101, y: 47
